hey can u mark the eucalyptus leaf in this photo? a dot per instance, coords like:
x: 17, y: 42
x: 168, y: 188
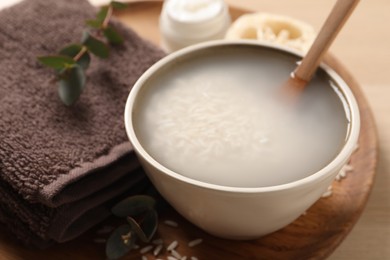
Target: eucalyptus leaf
x: 118, y: 5
x: 133, y: 206
x: 112, y: 35
x: 94, y: 23
x: 95, y: 46
x: 116, y: 246
x: 71, y: 84
x: 72, y: 50
x: 101, y: 15
x: 147, y: 227
x: 56, y: 61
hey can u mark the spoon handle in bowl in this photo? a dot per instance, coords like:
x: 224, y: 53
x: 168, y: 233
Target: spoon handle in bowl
x: 333, y: 24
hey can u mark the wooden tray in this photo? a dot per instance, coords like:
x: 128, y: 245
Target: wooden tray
x: 312, y: 236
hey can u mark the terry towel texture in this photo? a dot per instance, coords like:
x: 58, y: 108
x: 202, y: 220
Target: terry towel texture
x: 59, y: 165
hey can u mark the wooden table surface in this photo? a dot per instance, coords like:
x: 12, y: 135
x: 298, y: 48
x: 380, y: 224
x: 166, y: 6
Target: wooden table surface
x: 363, y: 46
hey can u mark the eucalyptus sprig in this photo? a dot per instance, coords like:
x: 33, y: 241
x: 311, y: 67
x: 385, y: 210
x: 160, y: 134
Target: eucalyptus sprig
x: 142, y: 221
x: 73, y: 60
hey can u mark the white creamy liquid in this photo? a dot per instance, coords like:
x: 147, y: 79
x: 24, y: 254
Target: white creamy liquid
x: 216, y: 119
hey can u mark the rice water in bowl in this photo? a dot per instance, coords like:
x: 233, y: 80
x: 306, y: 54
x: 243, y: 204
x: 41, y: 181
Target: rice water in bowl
x: 225, y: 148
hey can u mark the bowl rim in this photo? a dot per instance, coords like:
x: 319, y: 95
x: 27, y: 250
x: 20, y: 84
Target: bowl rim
x: 323, y: 173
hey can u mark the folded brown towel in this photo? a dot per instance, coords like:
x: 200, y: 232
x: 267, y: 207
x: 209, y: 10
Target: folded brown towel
x: 59, y: 165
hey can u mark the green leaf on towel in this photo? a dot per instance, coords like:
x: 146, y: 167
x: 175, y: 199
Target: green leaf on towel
x: 102, y: 14
x: 74, y: 49
x: 74, y: 59
x: 56, y: 61
x: 94, y: 23
x: 71, y: 84
x: 95, y: 45
x: 112, y: 35
x: 118, y: 5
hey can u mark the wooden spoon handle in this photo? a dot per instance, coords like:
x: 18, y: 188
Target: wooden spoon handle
x: 333, y: 24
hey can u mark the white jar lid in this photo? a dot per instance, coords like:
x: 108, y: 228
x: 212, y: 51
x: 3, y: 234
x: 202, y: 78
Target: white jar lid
x: 187, y: 22
x: 194, y: 18
x: 194, y: 11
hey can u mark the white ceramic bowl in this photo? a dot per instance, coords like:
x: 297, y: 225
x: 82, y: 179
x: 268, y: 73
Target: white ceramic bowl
x: 232, y: 212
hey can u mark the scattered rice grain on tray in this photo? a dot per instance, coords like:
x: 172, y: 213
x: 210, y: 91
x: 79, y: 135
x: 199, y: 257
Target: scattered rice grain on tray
x: 175, y: 254
x: 144, y: 258
x: 194, y: 258
x: 172, y: 246
x: 171, y: 223
x: 146, y: 249
x: 171, y: 258
x: 343, y: 172
x: 184, y: 258
x: 195, y: 242
x: 157, y: 250
x: 348, y: 167
x: 328, y: 192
